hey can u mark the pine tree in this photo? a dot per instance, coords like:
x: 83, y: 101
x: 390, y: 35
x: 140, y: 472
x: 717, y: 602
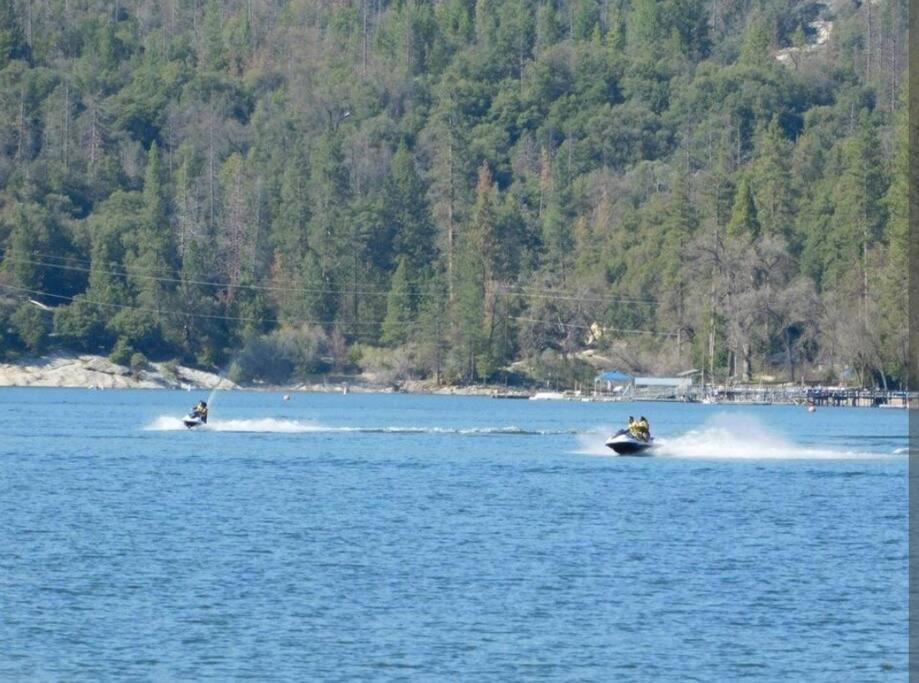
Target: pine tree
x: 643, y: 29
x: 432, y: 328
x: 586, y: 19
x: 744, y: 219
x: 397, y: 324
x: 12, y: 41
x: 407, y: 214
x: 557, y: 237
x: 893, y: 297
x: 771, y: 176
x: 329, y: 196
x: 289, y: 229
x: 757, y: 40
x: 212, y: 56
x: 860, y: 211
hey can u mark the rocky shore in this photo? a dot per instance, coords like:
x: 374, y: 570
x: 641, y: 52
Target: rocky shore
x: 97, y: 372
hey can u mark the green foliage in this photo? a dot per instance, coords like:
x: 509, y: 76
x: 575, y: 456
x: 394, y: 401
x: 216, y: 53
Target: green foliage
x: 284, y: 355
x: 81, y: 326
x: 467, y: 181
x: 31, y: 326
x: 138, y: 361
x: 12, y: 41
x: 744, y: 220
x: 396, y: 325
x: 122, y: 352
x: 756, y: 42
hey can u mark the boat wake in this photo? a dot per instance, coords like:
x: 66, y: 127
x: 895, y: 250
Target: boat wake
x: 733, y: 437
x: 268, y: 424
x: 168, y: 423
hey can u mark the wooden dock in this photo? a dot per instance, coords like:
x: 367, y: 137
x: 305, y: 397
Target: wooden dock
x: 815, y: 396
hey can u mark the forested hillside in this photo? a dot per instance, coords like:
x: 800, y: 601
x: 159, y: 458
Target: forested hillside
x: 442, y: 188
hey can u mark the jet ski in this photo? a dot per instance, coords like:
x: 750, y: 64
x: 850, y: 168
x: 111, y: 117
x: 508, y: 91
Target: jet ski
x: 626, y: 443
x: 192, y: 420
x: 197, y: 416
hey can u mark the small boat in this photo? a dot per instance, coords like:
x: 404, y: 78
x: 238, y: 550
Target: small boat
x: 626, y: 443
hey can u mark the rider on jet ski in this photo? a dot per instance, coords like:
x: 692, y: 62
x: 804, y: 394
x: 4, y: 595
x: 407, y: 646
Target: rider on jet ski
x: 200, y: 410
x: 644, y: 428
x: 639, y: 428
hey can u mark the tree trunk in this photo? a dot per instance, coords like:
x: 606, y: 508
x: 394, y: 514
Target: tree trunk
x: 747, y: 362
x: 450, y: 235
x: 789, y: 355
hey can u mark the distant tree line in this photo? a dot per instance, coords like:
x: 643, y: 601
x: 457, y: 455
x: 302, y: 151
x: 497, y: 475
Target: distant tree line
x: 457, y: 189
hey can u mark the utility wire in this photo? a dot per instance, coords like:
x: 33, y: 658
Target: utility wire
x: 523, y: 292
x: 591, y: 327
x: 235, y: 318
x: 179, y: 314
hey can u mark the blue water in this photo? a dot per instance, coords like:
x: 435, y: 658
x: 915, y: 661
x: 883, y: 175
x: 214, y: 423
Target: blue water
x: 384, y: 537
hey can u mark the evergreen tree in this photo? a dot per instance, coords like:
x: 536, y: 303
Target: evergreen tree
x: 556, y: 226
x: 771, y: 176
x: 744, y: 220
x: 407, y: 215
x: 289, y: 229
x: 643, y: 29
x: 860, y: 212
x: 432, y: 327
x: 893, y: 299
x: 12, y: 41
x: 757, y: 39
x: 212, y: 56
x: 396, y: 325
x: 329, y: 194
x: 586, y: 19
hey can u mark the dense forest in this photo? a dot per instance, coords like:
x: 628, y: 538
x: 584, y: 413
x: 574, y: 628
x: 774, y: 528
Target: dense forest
x: 462, y: 190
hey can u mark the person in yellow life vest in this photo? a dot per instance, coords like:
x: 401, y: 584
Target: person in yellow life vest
x: 644, y: 429
x: 200, y: 410
x: 633, y: 427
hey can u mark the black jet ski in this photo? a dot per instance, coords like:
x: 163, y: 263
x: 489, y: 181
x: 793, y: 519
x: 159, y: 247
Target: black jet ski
x: 193, y: 420
x: 197, y: 416
x: 626, y: 443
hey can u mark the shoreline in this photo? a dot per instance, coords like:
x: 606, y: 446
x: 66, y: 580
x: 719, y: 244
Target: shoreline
x: 88, y: 371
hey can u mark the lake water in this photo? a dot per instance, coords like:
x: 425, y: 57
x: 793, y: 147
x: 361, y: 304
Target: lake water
x: 392, y: 537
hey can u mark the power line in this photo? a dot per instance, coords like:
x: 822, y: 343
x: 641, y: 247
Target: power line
x: 202, y: 283
x: 591, y: 327
x: 577, y: 297
x: 235, y: 318
x: 209, y: 316
x: 523, y: 292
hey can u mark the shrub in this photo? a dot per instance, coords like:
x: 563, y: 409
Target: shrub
x: 122, y: 352
x: 280, y: 356
x: 391, y: 366
x: 81, y: 326
x: 31, y: 325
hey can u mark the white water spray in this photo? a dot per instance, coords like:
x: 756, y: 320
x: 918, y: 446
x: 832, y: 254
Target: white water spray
x: 168, y: 423
x: 727, y: 436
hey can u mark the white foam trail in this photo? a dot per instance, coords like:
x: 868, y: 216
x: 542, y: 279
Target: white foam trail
x: 742, y: 436
x: 594, y: 441
x: 723, y: 436
x: 268, y: 424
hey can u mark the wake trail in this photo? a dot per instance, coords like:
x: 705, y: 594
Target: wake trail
x: 732, y: 437
x: 281, y: 426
